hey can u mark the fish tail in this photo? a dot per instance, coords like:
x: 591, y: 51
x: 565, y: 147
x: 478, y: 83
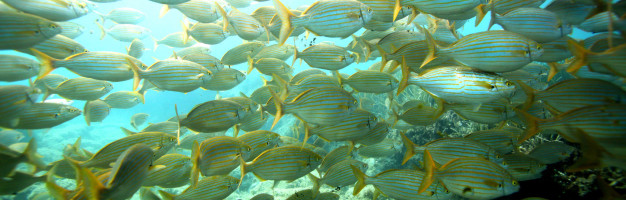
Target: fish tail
x: 340, y: 79
x: 481, y: 11
x: 383, y: 60
x: 55, y: 190
x: 410, y: 146
x: 224, y: 16
x: 87, y: 179
x: 530, y: 95
x: 404, y: 82
x: 142, y: 97
x: 441, y: 107
x: 429, y: 175
x: 493, y: 19
x: 396, y: 9
x: 128, y: 132
x: 156, y: 43
x: 432, y: 47
x: 395, y: 116
x: 136, y: 73
x: 360, y: 180
x: 250, y: 64
x: 580, y: 54
x: 164, y: 10
x: 178, y: 124
x: 295, y: 56
x: 316, y: 184
x: 185, y: 24
x: 243, y: 174
x: 103, y: 32
x: 285, y: 16
x: 166, y: 196
x: 195, y: 170
x: 47, y: 63
x: 30, y: 153
x: 87, y: 115
x: 532, y: 125
x: 592, y: 153
x: 279, y: 107
x: 553, y: 70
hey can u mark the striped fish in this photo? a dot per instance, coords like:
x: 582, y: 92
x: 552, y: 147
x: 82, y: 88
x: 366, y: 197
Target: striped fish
x: 96, y: 111
x: 217, y: 156
x: 168, y: 127
x: 176, y: 39
x: 61, y: 10
x: 309, y: 194
x: 175, y: 75
x: 488, y: 113
x: 264, y: 14
x: 187, y: 141
x: 18, y: 30
x: 124, y: 99
x: 70, y: 29
x: 269, y: 66
x: 470, y: 177
x: 335, y: 156
x: 310, y: 82
x: 276, y: 23
x: 612, y: 59
x: 339, y: 175
x: 523, y: 167
x: 81, y: 88
x: 172, y: 2
x: 493, y: 51
x: 446, y: 149
x: 246, y: 26
x: 571, y: 12
x: 551, y: 152
x: 101, y: 65
x: 325, y: 56
x: 135, y: 49
x: 555, y: 51
x: 320, y: 106
x: 208, y: 33
x: 393, y: 41
x: 504, y: 6
x: 354, y: 127
x: 209, y: 62
x: 462, y: 85
x: 254, y: 121
x: 420, y: 115
x: 124, y: 15
x: 330, y: 18
x: 376, y: 134
x: 195, y: 49
x: 225, y: 79
x: 399, y: 184
x: 17, y: 68
x: 600, y: 22
x: 305, y: 73
x: 262, y: 196
x: 376, y: 25
x: 534, y: 23
x: 125, y: 32
x: 161, y: 143
x: 442, y: 7
x: 147, y: 194
x: 239, y: 54
x: 175, y: 173
x: 603, y: 123
x: 383, y: 10
x: 384, y: 148
x: 214, y: 116
x: 52, y: 80
x: 504, y: 141
x: 576, y: 93
x: 372, y: 82
x: 283, y: 52
x: 213, y: 187
x: 259, y: 141
x: 58, y: 47
x: 138, y: 119
x: 283, y: 163
x: 199, y: 10
x: 262, y: 94
x: 45, y: 115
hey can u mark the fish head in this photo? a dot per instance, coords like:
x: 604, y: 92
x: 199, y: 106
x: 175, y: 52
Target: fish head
x: 394, y: 83
x: 315, y: 160
x: 565, y: 29
x: 348, y: 58
x: 534, y: 51
x: 240, y: 76
x: 242, y: 112
x: 495, y: 157
x: 504, y: 87
x: 48, y: 29
x: 78, y: 49
x: 509, y: 186
x: 80, y: 8
x: 232, y: 183
x: 68, y: 112
x: 371, y: 122
x: 108, y: 86
x: 245, y: 150
x: 206, y: 76
x: 366, y: 13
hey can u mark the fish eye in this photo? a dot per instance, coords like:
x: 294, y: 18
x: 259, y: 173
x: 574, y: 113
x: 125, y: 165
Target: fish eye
x: 509, y: 83
x: 500, y: 185
x: 514, y: 182
x: 56, y: 115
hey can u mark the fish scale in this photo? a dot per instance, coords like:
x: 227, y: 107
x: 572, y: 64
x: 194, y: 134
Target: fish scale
x: 447, y: 149
x: 259, y: 141
x: 45, y: 115
x: 161, y: 142
x: 58, y: 47
x: 400, y: 184
x: 213, y: 187
x: 535, y: 23
x: 283, y: 163
x: 81, y: 88
x: 14, y: 25
x: 213, y: 116
x: 321, y: 106
x: 101, y: 65
x: 219, y: 155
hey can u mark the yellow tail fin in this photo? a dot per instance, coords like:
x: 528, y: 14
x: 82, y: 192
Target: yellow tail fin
x: 285, y: 16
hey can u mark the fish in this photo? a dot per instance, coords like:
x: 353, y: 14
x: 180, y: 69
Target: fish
x: 534, y: 23
x: 174, y: 75
x: 17, y: 68
x: 209, y: 62
x: 269, y: 66
x: 555, y: 51
x: 381, y: 149
x: 575, y: 93
x: 195, y: 49
x: 319, y: 106
x: 283, y: 52
x: 175, y: 173
x: 325, y: 56
x: 176, y: 39
x: 208, y: 33
x: 21, y: 30
x: 262, y: 196
x: 504, y: 141
x: 372, y: 82
x: 253, y: 121
x: 504, y: 6
x: 399, y: 184
x: 239, y: 53
x: 62, y: 10
x: 523, y: 167
x: 309, y: 194
x: 214, y: 116
x: 246, y: 26
x: 14, y: 100
x: 488, y: 113
x: 570, y: 12
x: 276, y: 24
x: 159, y: 142
x: 217, y: 156
x: 212, y: 187
x: 333, y: 157
x: 447, y: 149
x: 383, y: 10
x: 461, y: 85
x: 18, y: 182
x: 339, y: 175
x: 138, y: 119
x: 96, y: 111
x: 11, y: 158
x: 45, y: 115
x: 58, y: 47
x: 352, y: 128
x: 303, y: 74
x: 187, y: 141
x: 70, y: 29
x: 124, y: 15
x: 483, y: 180
x: 309, y: 82
x: 225, y: 79
x: 611, y: 59
x: 440, y: 7
x: 376, y: 134
x: 283, y: 163
x: 125, y: 32
x: 81, y: 88
x: 172, y: 2
x: 600, y: 22
x: 199, y: 10
x: 262, y: 94
x: 419, y: 115
x: 8, y: 137
x: 347, y: 17
x: 169, y: 127
x: 264, y: 14
x: 147, y: 194
x: 101, y: 65
x: 259, y: 141
x: 136, y: 49
x: 551, y: 152
x: 124, y: 99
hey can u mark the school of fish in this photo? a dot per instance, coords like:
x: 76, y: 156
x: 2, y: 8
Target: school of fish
x: 525, y: 78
